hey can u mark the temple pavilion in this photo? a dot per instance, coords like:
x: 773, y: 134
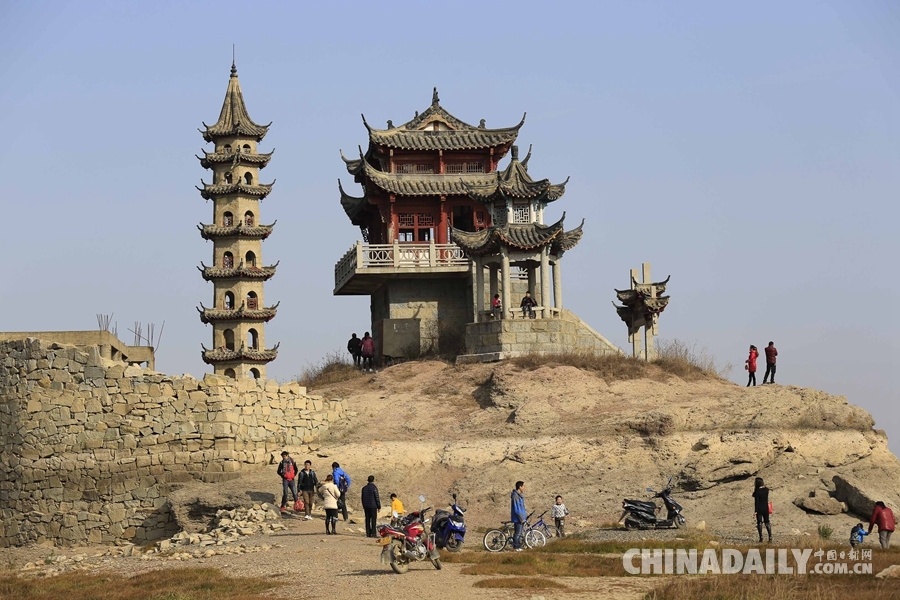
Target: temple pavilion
x: 444, y: 229
x: 238, y: 314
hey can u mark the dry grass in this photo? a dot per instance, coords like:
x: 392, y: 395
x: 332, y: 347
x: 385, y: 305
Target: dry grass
x: 532, y: 583
x: 336, y: 367
x: 577, y: 546
x: 169, y: 584
x: 785, y: 587
x: 533, y: 564
x: 675, y: 358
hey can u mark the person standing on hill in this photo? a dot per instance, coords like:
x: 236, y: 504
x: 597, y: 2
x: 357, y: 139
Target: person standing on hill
x: 342, y: 481
x: 287, y: 470
x: 761, y: 507
x: 751, y: 365
x: 371, y: 504
x: 353, y: 347
x: 367, y: 350
x: 884, y: 518
x: 307, y: 483
x: 771, y: 353
x: 518, y: 514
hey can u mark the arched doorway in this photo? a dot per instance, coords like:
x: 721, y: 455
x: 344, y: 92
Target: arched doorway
x: 255, y: 373
x: 250, y: 259
x: 252, y: 301
x: 253, y: 339
x: 229, y: 300
x: 230, y: 373
x: 229, y: 339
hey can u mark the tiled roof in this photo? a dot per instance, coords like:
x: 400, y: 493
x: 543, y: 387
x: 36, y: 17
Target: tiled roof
x: 353, y: 206
x: 426, y: 185
x: 264, y: 273
x: 568, y: 240
x: 518, y: 236
x: 211, y: 190
x: 460, y: 136
x: 234, y: 119
x: 208, y: 315
x: 239, y: 230
x: 514, y: 183
x: 355, y: 166
x: 242, y: 355
x: 234, y: 158
x: 641, y: 290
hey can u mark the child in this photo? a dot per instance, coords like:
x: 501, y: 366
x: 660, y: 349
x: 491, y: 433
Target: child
x: 396, y: 507
x: 559, y: 512
x: 857, y: 534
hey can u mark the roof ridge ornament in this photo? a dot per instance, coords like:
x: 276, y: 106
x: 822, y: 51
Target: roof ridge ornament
x: 434, y: 97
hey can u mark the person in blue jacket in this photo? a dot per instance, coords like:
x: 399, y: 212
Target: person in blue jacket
x: 342, y: 481
x: 518, y: 514
x: 857, y: 534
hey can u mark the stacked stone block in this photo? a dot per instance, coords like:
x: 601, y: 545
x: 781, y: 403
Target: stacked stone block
x: 90, y: 449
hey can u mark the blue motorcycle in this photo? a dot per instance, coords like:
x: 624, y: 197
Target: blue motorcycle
x: 449, y: 527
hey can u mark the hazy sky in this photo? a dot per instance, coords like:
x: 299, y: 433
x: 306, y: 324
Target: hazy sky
x: 752, y: 151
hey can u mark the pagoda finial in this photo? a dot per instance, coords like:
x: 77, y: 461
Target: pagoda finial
x: 434, y: 97
x: 515, y: 152
x: 233, y: 68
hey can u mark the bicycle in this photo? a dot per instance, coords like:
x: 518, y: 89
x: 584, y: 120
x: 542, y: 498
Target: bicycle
x: 538, y: 533
x: 496, y: 540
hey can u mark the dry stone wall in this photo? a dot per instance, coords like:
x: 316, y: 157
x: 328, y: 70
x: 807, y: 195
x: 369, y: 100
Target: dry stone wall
x: 90, y: 449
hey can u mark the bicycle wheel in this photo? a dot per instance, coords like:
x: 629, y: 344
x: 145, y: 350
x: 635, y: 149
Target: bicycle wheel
x: 535, y: 539
x: 495, y: 540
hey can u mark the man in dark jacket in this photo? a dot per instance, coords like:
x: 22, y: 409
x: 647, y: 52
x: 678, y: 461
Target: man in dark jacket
x: 353, y: 346
x: 371, y: 505
x: 306, y: 484
x: 771, y: 353
x: 527, y: 306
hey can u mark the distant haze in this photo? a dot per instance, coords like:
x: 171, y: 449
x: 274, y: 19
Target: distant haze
x: 752, y: 151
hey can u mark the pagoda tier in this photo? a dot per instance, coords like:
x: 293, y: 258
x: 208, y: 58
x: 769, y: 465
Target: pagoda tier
x: 242, y: 271
x: 223, y: 355
x: 526, y: 236
x: 258, y: 232
x: 234, y: 120
x: 514, y: 183
x: 641, y: 290
x: 410, y: 184
x: 450, y: 133
x: 208, y: 315
x: 211, y: 191
x: 234, y: 158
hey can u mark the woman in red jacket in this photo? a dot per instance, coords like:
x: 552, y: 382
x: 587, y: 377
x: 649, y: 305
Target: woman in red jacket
x: 751, y: 365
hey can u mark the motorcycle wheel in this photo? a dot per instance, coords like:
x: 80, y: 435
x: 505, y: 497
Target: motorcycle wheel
x: 535, y: 539
x: 679, y: 522
x: 453, y: 544
x: 437, y: 563
x: 495, y: 540
x: 401, y: 563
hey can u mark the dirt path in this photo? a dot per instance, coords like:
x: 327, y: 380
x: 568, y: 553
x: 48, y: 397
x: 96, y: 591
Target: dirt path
x: 315, y: 566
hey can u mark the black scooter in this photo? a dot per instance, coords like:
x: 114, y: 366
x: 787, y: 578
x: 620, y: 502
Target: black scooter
x: 641, y: 514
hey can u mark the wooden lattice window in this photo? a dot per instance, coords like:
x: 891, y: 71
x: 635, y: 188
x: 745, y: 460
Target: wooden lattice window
x: 248, y: 219
x: 415, y: 168
x: 252, y: 301
x: 228, y: 219
x: 521, y: 213
x: 407, y: 220
x: 415, y: 227
x: 457, y: 168
x: 425, y: 220
x: 228, y: 261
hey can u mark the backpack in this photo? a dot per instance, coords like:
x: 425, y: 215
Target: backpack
x: 343, y: 485
x: 289, y: 472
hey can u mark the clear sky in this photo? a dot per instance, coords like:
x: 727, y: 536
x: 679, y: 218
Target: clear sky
x: 752, y: 151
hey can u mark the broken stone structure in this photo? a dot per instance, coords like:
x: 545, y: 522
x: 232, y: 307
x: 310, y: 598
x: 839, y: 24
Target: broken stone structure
x: 641, y: 306
x: 238, y: 314
x: 90, y: 448
x: 438, y: 220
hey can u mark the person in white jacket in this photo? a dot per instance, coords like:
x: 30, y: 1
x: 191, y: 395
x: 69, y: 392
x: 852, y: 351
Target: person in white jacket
x: 330, y: 495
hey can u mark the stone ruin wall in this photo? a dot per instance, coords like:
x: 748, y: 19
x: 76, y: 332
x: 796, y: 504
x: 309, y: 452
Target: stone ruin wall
x: 90, y: 449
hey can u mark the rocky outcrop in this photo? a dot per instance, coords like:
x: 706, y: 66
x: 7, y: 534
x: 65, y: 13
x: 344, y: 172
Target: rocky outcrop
x: 90, y: 449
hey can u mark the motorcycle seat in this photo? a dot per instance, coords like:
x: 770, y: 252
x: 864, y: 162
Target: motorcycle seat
x: 640, y: 502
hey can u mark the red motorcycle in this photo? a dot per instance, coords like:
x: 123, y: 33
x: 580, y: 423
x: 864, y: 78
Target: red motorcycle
x: 407, y: 541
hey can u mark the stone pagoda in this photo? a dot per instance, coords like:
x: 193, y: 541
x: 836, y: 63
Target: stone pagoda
x: 238, y: 314
x: 437, y: 218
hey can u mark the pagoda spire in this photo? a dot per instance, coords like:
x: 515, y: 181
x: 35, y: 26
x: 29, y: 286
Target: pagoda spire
x: 234, y: 118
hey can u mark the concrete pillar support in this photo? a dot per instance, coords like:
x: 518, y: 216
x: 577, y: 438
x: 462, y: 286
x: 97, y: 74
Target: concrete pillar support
x: 545, y: 280
x: 507, y: 287
x: 557, y: 286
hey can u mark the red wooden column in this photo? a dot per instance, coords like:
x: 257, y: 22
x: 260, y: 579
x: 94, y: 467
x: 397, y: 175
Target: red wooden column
x: 442, y: 228
x: 394, y: 233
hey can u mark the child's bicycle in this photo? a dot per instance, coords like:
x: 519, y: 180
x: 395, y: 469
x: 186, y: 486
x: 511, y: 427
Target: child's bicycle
x: 539, y: 533
x: 496, y: 540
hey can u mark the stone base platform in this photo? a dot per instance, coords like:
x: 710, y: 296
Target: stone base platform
x: 496, y: 340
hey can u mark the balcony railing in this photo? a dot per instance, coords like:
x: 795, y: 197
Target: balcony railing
x: 397, y: 256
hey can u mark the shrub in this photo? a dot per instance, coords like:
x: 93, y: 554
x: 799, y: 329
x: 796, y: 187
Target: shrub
x: 335, y: 367
x: 825, y: 532
x: 688, y: 361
